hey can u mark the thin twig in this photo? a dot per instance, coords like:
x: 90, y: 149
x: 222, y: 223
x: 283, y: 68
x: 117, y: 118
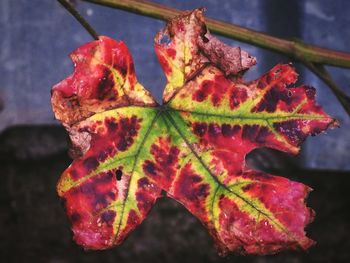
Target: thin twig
x: 320, y: 71
x: 294, y: 49
x: 70, y: 8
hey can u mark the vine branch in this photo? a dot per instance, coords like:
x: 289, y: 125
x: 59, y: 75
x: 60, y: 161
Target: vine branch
x: 295, y: 49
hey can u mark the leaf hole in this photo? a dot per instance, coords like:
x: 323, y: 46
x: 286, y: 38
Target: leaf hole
x: 164, y: 40
x: 118, y: 174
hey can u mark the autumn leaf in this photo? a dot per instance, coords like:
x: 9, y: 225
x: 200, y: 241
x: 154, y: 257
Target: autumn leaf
x: 127, y: 148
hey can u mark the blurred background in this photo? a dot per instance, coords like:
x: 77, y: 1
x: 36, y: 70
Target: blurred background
x: 37, y: 37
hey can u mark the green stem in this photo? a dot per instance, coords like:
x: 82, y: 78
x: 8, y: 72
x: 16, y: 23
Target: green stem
x: 294, y: 49
x: 70, y: 8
